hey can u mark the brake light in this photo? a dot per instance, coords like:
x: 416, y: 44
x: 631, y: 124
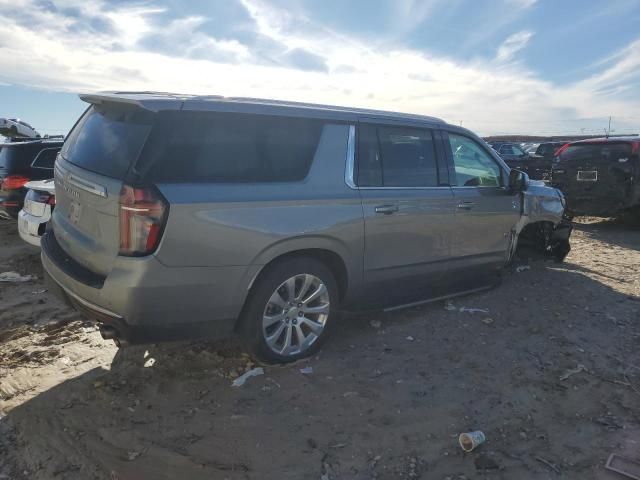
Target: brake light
x: 143, y: 212
x: 14, y: 182
x: 635, y: 147
x: 51, y: 200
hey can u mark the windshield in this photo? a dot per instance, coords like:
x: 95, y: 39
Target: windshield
x: 107, y: 140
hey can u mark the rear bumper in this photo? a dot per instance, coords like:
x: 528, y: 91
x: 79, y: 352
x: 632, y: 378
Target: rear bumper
x: 147, y: 301
x: 31, y: 228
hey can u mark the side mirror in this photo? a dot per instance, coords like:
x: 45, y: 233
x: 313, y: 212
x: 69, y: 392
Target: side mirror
x: 518, y: 181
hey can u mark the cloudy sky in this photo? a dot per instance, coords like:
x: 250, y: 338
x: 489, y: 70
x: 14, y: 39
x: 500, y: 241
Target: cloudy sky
x: 497, y: 66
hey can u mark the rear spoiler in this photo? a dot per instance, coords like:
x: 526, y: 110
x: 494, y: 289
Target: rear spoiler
x: 151, y: 101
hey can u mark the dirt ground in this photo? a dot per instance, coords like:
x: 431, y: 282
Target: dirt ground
x: 551, y: 374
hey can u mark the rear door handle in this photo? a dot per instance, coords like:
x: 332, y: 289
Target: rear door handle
x: 466, y: 205
x: 387, y: 209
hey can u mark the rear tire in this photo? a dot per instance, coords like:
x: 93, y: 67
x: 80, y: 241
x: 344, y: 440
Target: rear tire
x: 290, y: 311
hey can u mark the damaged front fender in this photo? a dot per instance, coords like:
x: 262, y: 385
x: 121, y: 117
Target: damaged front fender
x: 543, y: 225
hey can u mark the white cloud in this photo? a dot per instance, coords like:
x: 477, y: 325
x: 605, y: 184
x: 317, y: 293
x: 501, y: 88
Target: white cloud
x: 512, y: 45
x: 490, y: 97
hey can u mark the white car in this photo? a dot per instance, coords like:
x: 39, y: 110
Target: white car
x: 14, y: 127
x: 36, y: 213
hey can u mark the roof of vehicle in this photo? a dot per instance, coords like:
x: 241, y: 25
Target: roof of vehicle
x: 15, y: 142
x: 635, y: 139
x: 156, y: 101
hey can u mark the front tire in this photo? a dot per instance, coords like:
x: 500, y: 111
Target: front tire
x: 290, y: 311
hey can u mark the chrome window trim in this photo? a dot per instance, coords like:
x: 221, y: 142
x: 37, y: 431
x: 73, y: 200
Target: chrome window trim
x: 351, y: 158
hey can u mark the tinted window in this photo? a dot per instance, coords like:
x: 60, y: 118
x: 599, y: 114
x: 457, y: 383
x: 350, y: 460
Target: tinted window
x: 507, y: 149
x: 473, y: 165
x: 230, y: 148
x: 46, y: 158
x: 597, y: 151
x: 108, y: 140
x: 17, y: 156
x: 396, y: 157
x: 369, y: 166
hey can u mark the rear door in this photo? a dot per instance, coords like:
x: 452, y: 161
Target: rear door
x: 408, y: 211
x: 89, y: 175
x: 485, y: 211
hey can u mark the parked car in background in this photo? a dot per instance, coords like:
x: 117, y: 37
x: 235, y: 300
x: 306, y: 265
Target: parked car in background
x: 531, y: 148
x: 548, y: 149
x: 21, y: 162
x: 516, y: 157
x: 14, y: 127
x: 600, y: 176
x: 260, y: 227
x: 36, y: 213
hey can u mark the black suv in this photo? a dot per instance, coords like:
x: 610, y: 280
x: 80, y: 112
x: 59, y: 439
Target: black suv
x: 536, y: 165
x: 599, y: 177
x: 21, y: 162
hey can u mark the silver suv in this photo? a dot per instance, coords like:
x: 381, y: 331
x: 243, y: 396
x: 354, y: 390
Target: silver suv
x: 187, y: 216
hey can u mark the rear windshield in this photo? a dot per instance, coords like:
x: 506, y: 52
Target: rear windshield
x: 597, y: 151
x: 216, y: 147
x: 107, y: 140
x: 17, y: 156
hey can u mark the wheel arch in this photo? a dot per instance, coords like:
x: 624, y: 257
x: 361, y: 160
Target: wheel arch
x: 328, y: 257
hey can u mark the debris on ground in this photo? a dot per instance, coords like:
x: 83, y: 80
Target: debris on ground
x: 375, y: 324
x: 624, y: 466
x: 487, y: 320
x: 410, y: 338
x: 15, y: 277
x: 573, y: 371
x: 254, y: 372
x: 306, y: 370
x: 449, y: 306
x: 522, y: 268
x: 471, y: 440
x: 549, y: 464
x: 132, y: 455
x: 473, y: 310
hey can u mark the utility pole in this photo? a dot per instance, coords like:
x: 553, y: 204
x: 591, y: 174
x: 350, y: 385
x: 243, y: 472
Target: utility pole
x: 609, y: 129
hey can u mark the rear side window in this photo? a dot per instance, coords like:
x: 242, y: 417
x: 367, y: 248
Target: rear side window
x: 107, y: 140
x: 396, y: 157
x: 46, y: 158
x: 230, y: 148
x: 597, y: 151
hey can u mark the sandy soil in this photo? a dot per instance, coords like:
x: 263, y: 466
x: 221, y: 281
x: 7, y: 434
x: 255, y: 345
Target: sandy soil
x: 551, y: 374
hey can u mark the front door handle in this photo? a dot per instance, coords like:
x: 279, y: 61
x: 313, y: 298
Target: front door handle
x: 387, y: 209
x: 466, y: 205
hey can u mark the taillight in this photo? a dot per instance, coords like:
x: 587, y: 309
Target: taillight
x: 51, y: 200
x: 14, y: 182
x: 143, y: 212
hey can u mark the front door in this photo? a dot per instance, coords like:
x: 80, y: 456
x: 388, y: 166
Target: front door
x: 408, y: 209
x: 486, y: 212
